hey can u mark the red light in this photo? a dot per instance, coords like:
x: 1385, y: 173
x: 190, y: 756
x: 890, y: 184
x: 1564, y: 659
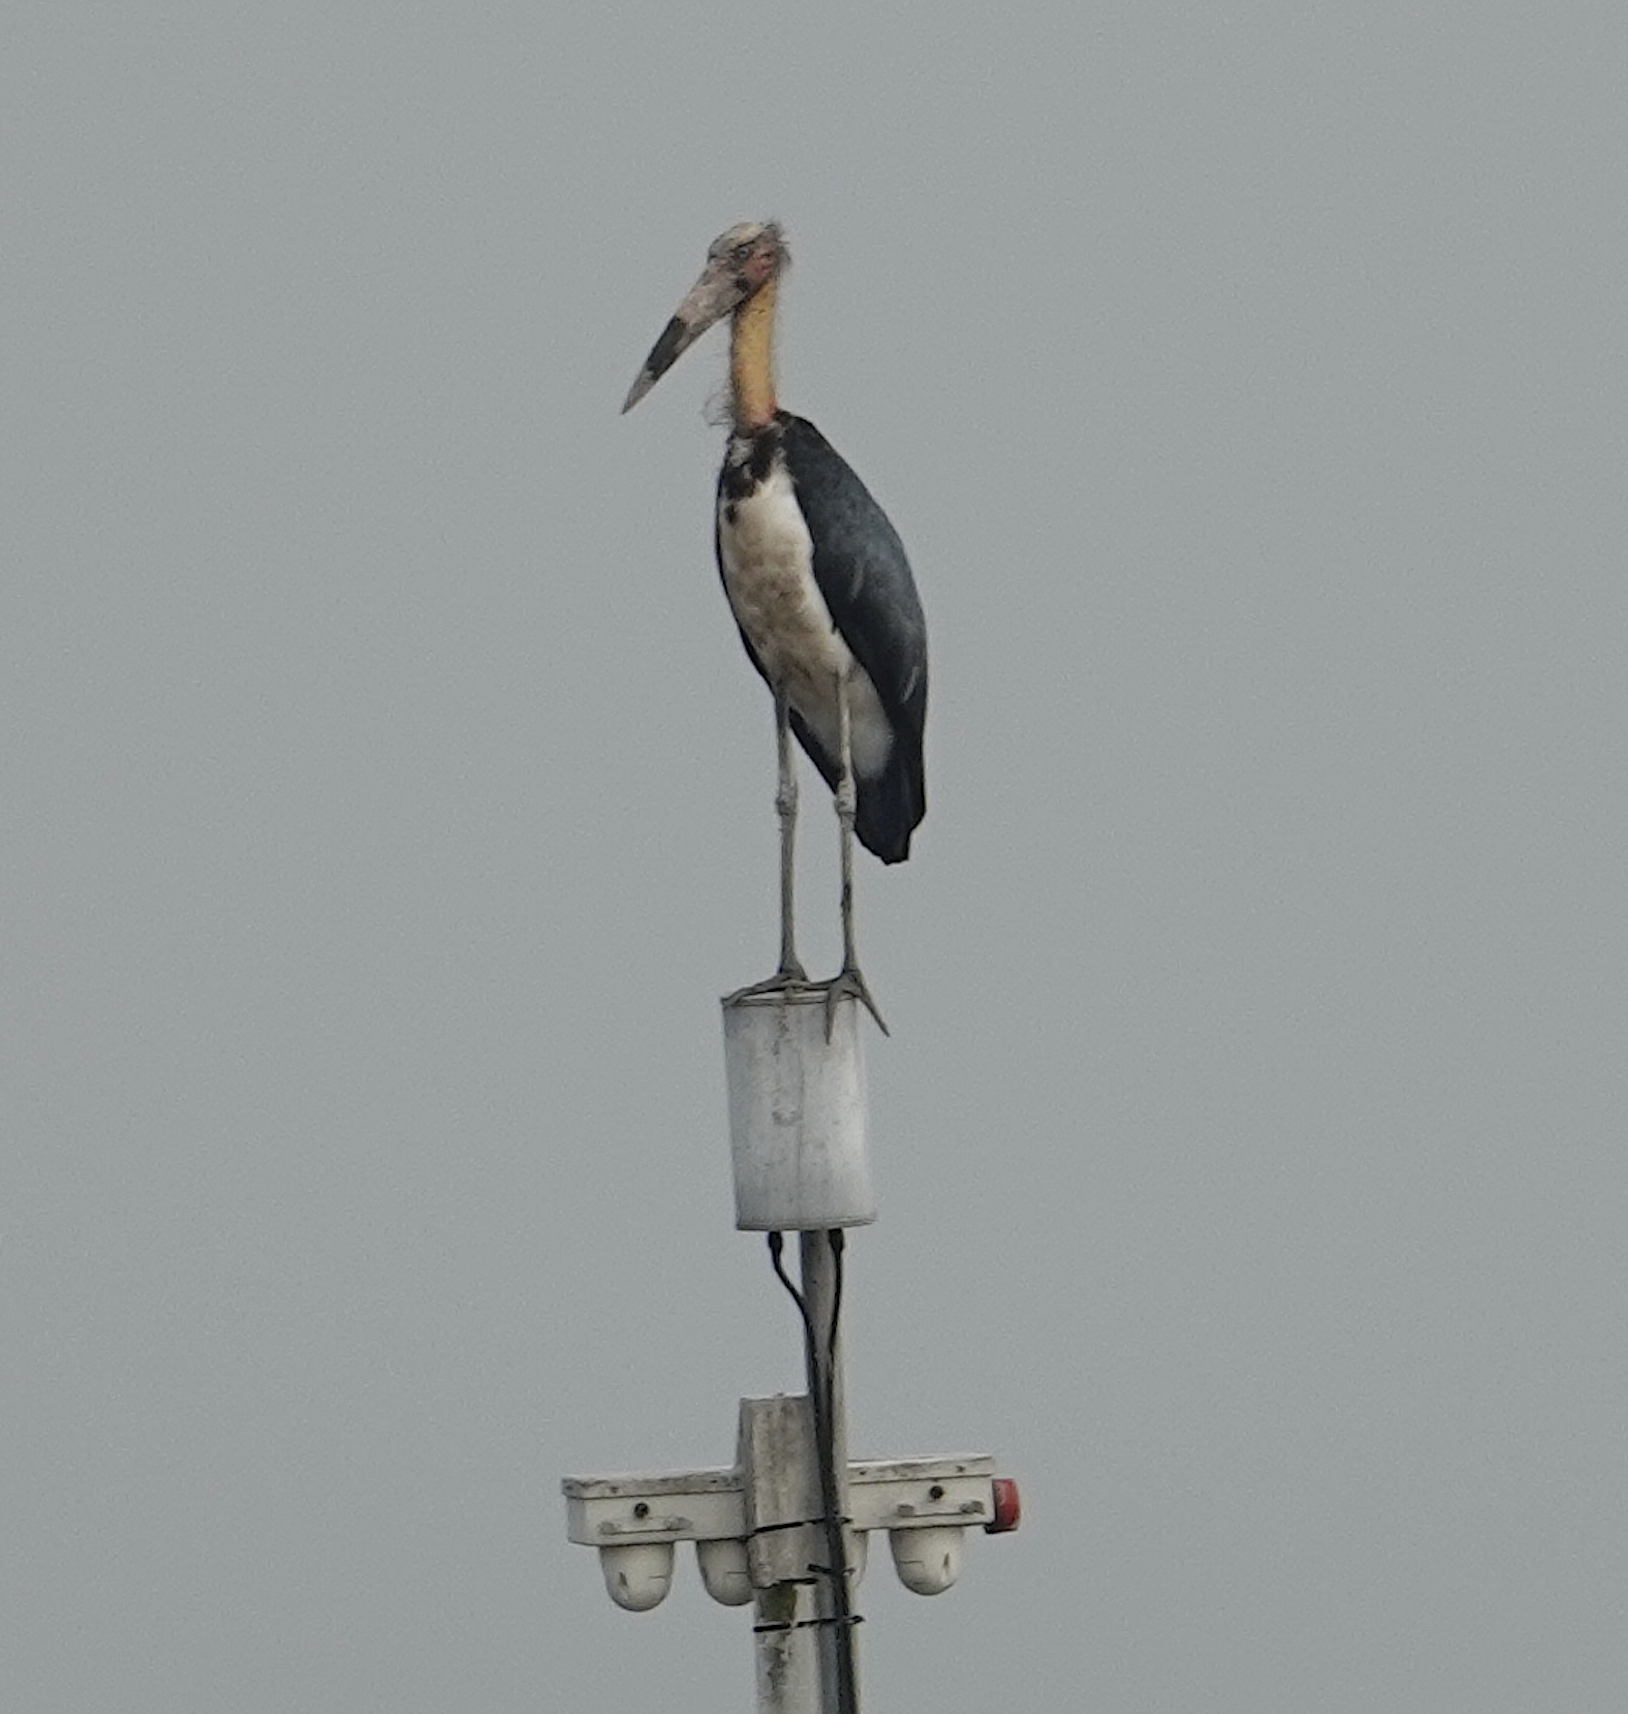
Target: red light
x: 1008, y: 1507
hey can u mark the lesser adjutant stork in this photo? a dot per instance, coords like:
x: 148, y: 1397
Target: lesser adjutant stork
x: 819, y: 585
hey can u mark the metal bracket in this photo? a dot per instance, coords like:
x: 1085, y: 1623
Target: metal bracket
x: 640, y: 1509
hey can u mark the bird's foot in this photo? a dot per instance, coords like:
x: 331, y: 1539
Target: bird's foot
x: 788, y: 979
x: 848, y: 981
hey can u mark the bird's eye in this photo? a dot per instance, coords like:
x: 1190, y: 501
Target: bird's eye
x: 742, y: 252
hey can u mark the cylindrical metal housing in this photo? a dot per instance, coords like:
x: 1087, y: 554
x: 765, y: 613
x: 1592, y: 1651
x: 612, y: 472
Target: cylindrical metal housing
x: 797, y: 1113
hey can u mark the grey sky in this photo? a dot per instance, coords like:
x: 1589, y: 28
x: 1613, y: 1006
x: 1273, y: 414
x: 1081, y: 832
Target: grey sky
x: 388, y: 801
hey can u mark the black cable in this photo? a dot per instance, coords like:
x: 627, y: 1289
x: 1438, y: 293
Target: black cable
x: 822, y: 1399
x: 847, y: 1677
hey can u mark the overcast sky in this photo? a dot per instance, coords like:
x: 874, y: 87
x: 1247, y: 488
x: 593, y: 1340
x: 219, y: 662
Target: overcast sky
x: 387, y: 801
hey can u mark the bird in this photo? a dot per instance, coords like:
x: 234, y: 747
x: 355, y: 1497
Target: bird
x: 821, y: 591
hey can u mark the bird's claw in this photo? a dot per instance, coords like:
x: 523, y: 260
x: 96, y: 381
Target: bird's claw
x: 788, y: 979
x: 849, y: 981
x: 793, y: 980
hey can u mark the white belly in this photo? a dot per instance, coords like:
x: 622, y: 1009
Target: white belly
x: 768, y: 569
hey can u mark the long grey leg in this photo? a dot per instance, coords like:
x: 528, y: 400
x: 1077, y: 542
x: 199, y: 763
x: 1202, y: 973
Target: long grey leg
x: 849, y: 980
x: 785, y: 804
x: 846, y: 800
x: 790, y: 974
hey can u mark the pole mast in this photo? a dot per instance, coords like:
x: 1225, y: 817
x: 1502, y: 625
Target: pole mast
x: 786, y: 1527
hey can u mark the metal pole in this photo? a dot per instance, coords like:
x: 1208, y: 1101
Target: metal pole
x: 775, y: 1456
x: 789, y: 1679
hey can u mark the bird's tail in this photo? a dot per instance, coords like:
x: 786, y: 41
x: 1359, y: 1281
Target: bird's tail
x: 890, y: 807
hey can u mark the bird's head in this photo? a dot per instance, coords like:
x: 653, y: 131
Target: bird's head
x: 740, y: 263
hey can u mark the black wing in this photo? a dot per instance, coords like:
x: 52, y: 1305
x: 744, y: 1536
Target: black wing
x: 864, y: 576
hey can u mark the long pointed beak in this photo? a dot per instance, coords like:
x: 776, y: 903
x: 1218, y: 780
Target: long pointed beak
x: 711, y: 298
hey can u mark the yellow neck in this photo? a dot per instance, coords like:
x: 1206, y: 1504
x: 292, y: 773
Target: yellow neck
x: 751, y: 359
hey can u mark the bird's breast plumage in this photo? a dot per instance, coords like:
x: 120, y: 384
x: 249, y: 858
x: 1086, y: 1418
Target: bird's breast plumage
x: 766, y: 558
